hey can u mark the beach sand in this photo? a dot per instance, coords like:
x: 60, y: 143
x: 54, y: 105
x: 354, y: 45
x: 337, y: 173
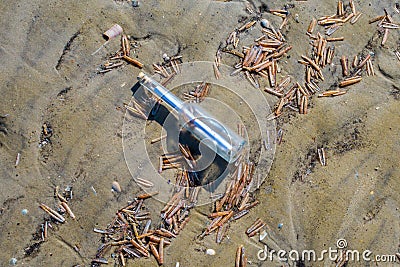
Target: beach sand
x: 49, y: 75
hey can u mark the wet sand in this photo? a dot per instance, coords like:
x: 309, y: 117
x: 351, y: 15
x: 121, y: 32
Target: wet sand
x: 49, y: 76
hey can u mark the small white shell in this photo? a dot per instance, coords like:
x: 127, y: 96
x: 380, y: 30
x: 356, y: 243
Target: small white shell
x: 13, y: 261
x: 114, y: 31
x: 265, y: 23
x: 210, y: 251
x: 165, y: 57
x: 116, y: 187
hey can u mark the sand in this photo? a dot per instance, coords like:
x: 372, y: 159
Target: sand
x: 48, y: 75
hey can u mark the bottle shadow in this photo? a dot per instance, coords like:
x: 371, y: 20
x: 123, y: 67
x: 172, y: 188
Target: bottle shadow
x: 209, y: 177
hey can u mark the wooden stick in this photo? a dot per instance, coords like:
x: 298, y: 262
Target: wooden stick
x: 311, y: 27
x: 355, y: 61
x: 385, y: 36
x: 350, y: 81
x: 238, y: 256
x: 155, y: 252
x: 334, y: 39
x: 68, y: 209
x: 161, y: 251
x: 376, y: 19
x: 54, y: 214
x: 362, y: 63
x: 132, y: 61
x: 355, y: 18
x: 315, y: 66
x: 345, y: 70
x: 158, y: 139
